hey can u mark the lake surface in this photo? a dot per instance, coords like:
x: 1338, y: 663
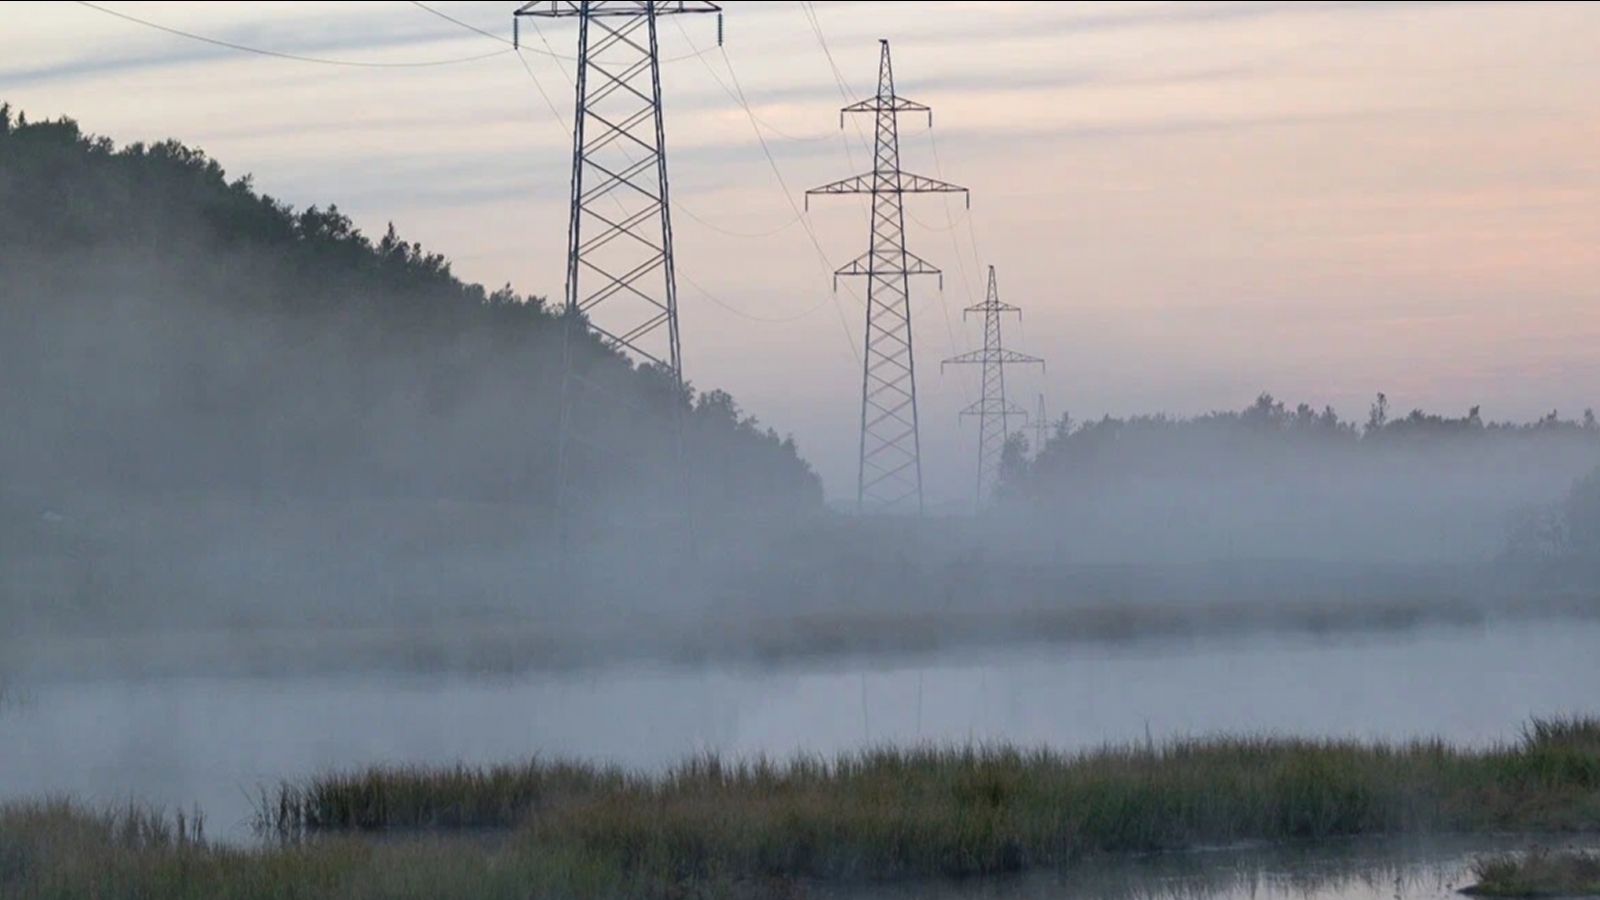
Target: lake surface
x: 214, y: 743
x: 1420, y: 869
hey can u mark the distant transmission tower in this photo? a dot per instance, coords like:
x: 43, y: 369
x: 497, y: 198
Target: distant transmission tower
x: 1041, y: 428
x: 891, y: 443
x: 994, y: 410
x: 621, y: 282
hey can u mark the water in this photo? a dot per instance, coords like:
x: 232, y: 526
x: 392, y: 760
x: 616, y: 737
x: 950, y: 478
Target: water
x: 214, y: 743
x: 1421, y: 869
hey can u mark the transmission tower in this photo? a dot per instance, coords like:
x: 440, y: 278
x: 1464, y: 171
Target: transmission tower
x: 621, y: 284
x: 890, y: 474
x: 1041, y: 428
x: 994, y: 411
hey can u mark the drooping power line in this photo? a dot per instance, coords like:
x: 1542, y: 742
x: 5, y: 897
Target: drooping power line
x: 320, y: 60
x: 467, y: 25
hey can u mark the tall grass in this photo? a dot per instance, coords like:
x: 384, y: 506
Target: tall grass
x: 712, y: 828
x: 976, y: 810
x: 64, y: 851
x: 1538, y: 874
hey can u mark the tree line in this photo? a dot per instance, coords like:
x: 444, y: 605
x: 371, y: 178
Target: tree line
x: 168, y: 328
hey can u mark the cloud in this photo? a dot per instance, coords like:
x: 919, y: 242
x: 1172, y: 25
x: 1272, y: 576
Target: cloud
x: 1056, y: 20
x: 352, y: 40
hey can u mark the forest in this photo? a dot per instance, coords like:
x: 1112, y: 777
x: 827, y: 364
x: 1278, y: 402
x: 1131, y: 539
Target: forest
x: 172, y: 329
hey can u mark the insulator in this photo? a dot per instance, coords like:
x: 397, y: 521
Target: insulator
x: 719, y: 29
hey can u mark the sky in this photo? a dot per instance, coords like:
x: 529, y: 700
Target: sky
x: 1192, y: 202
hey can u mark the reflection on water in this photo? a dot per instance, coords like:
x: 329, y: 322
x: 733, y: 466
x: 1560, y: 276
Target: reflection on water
x: 215, y: 742
x: 1411, y: 869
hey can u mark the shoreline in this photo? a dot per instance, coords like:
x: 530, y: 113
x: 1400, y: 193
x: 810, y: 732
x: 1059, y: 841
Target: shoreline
x: 511, y: 646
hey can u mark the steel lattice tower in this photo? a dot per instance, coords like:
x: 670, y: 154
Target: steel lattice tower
x: 891, y: 443
x: 994, y: 410
x: 621, y: 282
x: 1041, y: 428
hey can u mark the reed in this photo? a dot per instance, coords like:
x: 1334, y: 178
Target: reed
x: 732, y: 830
x: 974, y: 810
x: 1541, y: 873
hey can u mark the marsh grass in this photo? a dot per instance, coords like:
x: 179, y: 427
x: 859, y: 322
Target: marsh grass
x: 1542, y: 873
x: 711, y: 828
x: 975, y: 810
x: 64, y: 851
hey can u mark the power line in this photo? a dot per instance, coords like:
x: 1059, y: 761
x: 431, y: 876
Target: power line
x: 783, y: 184
x: 216, y: 42
x: 468, y: 26
x: 816, y: 28
x: 770, y: 320
x: 799, y: 139
x: 977, y: 253
x: 937, y: 228
x: 741, y: 234
x: 549, y: 101
x: 550, y: 51
x: 961, y: 266
x: 838, y: 77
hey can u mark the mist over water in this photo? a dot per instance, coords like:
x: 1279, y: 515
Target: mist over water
x: 215, y: 741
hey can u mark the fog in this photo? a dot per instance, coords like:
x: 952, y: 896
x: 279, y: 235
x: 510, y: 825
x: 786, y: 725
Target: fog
x: 216, y: 741
x: 249, y: 437
x: 151, y: 532
x: 276, y: 496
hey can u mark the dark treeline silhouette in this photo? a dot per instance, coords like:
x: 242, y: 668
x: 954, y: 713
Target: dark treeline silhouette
x: 1265, y: 437
x: 166, y: 328
x: 1271, y: 480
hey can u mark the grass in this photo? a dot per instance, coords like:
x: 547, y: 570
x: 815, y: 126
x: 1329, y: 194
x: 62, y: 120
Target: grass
x: 712, y: 828
x: 63, y: 851
x: 976, y: 811
x: 59, y: 850
x: 1541, y: 873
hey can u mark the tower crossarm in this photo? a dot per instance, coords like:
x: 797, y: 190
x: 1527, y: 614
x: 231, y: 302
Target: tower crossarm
x: 873, y: 264
x: 992, y: 307
x: 878, y: 106
x: 993, y: 357
x: 891, y: 182
x: 989, y: 408
x: 561, y: 9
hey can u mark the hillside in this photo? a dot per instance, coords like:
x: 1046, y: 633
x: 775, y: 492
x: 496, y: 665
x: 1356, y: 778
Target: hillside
x: 174, y: 329
x: 213, y: 396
